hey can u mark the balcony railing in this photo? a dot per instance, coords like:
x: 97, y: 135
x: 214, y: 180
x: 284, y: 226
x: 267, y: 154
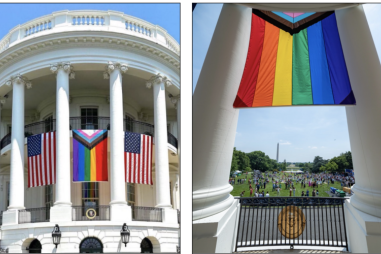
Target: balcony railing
x: 91, y: 213
x: 89, y: 123
x: 64, y: 21
x: 32, y: 215
x: 141, y: 213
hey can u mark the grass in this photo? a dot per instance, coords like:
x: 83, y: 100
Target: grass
x: 238, y: 188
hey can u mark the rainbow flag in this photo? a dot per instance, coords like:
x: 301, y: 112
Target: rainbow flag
x: 90, y: 156
x: 294, y: 64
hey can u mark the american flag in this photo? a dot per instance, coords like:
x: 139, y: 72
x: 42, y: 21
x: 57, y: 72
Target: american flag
x: 138, y: 158
x: 42, y: 159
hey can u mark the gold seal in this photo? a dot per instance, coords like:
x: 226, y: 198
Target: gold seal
x: 291, y: 222
x: 91, y: 213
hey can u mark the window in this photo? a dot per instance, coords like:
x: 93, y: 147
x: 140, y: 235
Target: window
x: 9, y: 128
x: 89, y: 118
x: 90, y: 196
x: 129, y: 123
x: 48, y: 122
x: 131, y: 194
x: 49, y: 195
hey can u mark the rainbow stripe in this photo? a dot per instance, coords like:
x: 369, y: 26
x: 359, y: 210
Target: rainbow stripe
x: 90, y: 156
x: 306, y: 68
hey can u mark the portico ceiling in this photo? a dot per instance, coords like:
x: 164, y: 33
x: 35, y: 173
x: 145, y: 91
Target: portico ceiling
x: 134, y: 89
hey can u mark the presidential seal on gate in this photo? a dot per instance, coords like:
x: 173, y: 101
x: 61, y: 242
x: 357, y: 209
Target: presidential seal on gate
x: 291, y: 222
x: 91, y: 213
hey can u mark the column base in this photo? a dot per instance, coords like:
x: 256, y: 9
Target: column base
x: 61, y: 213
x: 10, y: 217
x: 170, y: 216
x: 216, y: 233
x: 363, y: 230
x: 120, y: 212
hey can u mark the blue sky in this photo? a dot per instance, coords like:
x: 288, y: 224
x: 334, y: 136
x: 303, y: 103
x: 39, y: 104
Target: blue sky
x: 303, y: 132
x: 164, y: 15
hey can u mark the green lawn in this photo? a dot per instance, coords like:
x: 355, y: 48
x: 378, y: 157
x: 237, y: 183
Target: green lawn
x: 238, y: 188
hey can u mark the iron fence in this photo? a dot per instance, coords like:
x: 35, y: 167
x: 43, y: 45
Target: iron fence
x: 32, y: 215
x: 141, y: 213
x: 271, y: 221
x: 89, y: 123
x: 91, y: 213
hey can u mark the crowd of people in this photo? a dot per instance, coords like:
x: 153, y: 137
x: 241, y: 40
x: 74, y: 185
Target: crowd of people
x: 258, y: 181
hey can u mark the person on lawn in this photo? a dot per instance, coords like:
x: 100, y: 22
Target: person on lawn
x: 307, y: 193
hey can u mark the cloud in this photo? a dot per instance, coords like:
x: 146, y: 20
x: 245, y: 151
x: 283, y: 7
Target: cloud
x: 284, y: 142
x: 312, y: 147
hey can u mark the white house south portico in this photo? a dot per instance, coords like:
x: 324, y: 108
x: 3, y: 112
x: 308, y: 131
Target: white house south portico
x: 90, y: 70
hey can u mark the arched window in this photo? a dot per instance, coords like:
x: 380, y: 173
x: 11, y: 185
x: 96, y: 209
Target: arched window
x: 91, y: 245
x: 146, y: 246
x: 35, y: 246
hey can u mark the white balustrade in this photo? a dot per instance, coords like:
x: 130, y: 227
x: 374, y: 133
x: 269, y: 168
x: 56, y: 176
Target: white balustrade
x: 93, y: 20
x: 64, y: 21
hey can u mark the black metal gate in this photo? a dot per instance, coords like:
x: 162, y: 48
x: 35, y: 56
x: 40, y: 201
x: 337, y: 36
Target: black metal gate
x: 272, y: 221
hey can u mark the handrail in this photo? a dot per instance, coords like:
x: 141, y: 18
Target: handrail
x: 97, y: 122
x: 142, y: 213
x: 64, y: 21
x: 32, y: 215
x: 97, y: 213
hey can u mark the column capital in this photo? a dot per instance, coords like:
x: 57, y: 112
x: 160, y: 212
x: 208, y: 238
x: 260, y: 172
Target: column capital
x: 66, y: 66
x: 112, y: 66
x: 19, y: 79
x: 157, y: 79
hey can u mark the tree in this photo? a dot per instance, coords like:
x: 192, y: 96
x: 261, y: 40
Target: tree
x: 243, y: 160
x: 234, y: 165
x: 331, y: 166
x: 259, y: 161
x: 341, y: 163
x: 348, y: 158
x: 318, y: 162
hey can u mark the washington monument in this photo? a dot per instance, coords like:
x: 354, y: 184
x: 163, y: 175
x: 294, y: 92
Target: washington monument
x: 277, y: 153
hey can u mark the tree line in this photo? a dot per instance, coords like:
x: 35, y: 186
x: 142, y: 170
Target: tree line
x: 258, y: 160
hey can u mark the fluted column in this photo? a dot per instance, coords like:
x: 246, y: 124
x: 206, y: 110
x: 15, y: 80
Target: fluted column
x: 16, y: 184
x: 117, y: 172
x: 161, y: 139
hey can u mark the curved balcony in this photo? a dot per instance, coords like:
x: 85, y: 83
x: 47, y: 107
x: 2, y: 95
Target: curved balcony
x: 108, y: 21
x: 89, y: 123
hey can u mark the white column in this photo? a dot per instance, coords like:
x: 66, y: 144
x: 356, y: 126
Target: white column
x: 363, y: 64
x: 62, y: 206
x: 161, y: 140
x: 176, y: 101
x: 119, y: 208
x: 214, y: 128
x: 16, y: 184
